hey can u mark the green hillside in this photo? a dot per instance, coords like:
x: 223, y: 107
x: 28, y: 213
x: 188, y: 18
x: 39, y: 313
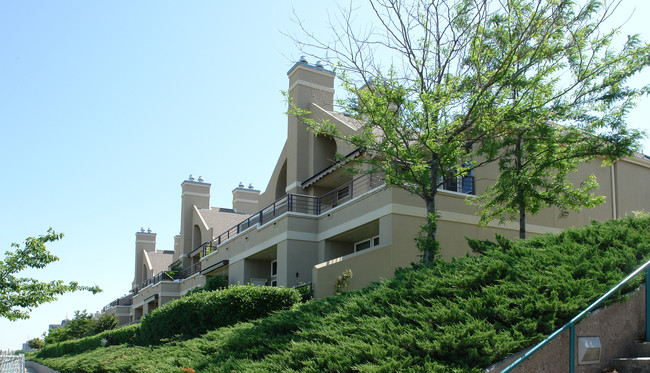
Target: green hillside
x: 457, y: 316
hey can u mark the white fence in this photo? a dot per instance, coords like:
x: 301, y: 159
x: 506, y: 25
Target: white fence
x: 12, y: 363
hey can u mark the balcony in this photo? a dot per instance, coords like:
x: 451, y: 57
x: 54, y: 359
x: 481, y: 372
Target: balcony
x: 168, y: 276
x: 305, y: 204
x: 125, y: 301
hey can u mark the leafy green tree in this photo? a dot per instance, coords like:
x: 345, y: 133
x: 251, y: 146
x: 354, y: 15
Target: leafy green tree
x: 82, y: 325
x: 36, y: 343
x: 554, y: 133
x: 105, y: 322
x: 467, y: 77
x: 18, y: 295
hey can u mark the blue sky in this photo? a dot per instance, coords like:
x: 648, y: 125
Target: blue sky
x: 105, y: 108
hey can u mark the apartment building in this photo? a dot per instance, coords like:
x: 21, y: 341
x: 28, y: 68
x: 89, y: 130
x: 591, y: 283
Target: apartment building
x: 314, y: 220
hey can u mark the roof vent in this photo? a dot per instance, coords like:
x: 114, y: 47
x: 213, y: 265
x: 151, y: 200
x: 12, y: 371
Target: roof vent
x: 320, y: 65
x: 191, y: 178
x: 142, y: 229
x: 148, y: 230
x: 250, y: 186
x: 241, y: 184
x: 303, y: 59
x: 201, y: 179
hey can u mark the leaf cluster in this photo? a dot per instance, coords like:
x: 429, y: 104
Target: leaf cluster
x: 18, y: 295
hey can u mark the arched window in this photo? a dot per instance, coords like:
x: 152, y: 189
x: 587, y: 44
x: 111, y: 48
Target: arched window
x: 281, y: 184
x: 196, y: 237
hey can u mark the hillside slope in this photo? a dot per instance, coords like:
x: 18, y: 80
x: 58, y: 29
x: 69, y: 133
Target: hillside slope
x: 449, y: 317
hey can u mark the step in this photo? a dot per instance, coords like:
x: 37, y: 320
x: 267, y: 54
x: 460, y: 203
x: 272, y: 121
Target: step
x: 639, y: 349
x: 632, y: 364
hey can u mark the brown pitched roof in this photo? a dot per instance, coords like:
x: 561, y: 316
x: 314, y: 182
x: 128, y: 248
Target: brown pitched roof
x: 159, y: 260
x: 221, y: 219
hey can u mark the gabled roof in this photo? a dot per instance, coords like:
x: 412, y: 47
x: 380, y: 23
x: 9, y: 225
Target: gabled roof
x: 221, y: 219
x: 159, y: 260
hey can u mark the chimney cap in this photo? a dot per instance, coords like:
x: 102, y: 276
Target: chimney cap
x: 191, y: 178
x: 241, y: 184
x: 303, y: 59
x: 320, y: 65
x: 250, y: 186
x: 142, y: 229
x: 201, y: 179
x: 148, y: 230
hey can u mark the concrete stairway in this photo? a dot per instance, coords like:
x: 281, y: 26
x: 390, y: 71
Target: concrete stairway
x: 638, y: 360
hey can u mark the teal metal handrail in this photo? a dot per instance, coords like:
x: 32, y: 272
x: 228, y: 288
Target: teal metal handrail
x: 571, y: 324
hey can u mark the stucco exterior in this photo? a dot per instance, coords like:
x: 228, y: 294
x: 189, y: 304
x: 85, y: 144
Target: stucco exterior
x: 314, y: 220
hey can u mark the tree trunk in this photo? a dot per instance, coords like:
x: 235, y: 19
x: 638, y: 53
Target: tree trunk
x: 430, y: 200
x: 519, y: 193
x: 431, y: 229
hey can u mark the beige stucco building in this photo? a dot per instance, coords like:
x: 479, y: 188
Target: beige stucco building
x: 314, y: 220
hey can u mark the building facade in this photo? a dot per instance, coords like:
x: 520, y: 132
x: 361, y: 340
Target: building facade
x: 315, y: 220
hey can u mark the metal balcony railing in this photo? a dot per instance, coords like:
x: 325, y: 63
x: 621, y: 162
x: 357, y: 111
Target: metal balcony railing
x: 168, y: 276
x: 118, y: 302
x: 301, y: 203
x: 460, y: 184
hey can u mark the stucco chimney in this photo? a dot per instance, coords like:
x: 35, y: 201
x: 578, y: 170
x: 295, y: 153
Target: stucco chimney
x: 245, y: 199
x: 195, y: 193
x: 144, y: 241
x: 309, y: 85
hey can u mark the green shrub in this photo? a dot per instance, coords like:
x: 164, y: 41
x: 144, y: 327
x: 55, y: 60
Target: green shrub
x: 216, y: 283
x: 82, y: 325
x: 124, y: 335
x: 457, y: 316
x: 197, y: 313
x: 211, y: 284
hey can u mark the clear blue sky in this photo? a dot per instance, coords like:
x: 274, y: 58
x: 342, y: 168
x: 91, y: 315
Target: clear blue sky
x: 105, y: 108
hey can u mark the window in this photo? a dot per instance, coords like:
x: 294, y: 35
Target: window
x: 366, y: 244
x: 362, y: 245
x: 274, y: 268
x: 274, y: 273
x: 342, y: 193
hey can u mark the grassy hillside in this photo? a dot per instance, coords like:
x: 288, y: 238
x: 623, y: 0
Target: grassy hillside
x: 448, y: 317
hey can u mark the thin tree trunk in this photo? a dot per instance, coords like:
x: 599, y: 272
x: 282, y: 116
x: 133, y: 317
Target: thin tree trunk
x: 430, y: 200
x: 519, y: 192
x: 431, y: 229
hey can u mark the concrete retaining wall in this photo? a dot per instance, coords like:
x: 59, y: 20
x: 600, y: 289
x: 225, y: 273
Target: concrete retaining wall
x: 617, y: 325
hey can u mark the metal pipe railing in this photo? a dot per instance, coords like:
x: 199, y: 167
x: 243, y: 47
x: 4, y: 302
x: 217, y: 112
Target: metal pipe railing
x: 571, y: 324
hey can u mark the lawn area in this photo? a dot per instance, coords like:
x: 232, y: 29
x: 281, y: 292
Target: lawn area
x: 457, y: 316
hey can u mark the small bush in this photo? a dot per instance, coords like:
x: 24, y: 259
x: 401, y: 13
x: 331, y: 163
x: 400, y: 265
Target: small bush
x: 342, y: 281
x: 197, y: 313
x: 125, y: 335
x: 36, y: 343
x: 211, y: 284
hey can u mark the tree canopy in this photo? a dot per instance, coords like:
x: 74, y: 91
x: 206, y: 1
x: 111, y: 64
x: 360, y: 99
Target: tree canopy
x: 18, y: 295
x: 467, y: 78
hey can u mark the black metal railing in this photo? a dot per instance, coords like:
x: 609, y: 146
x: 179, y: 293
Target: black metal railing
x: 118, y: 302
x: 311, y: 205
x: 460, y: 184
x: 168, y: 276
x: 306, y: 291
x: 189, y: 271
